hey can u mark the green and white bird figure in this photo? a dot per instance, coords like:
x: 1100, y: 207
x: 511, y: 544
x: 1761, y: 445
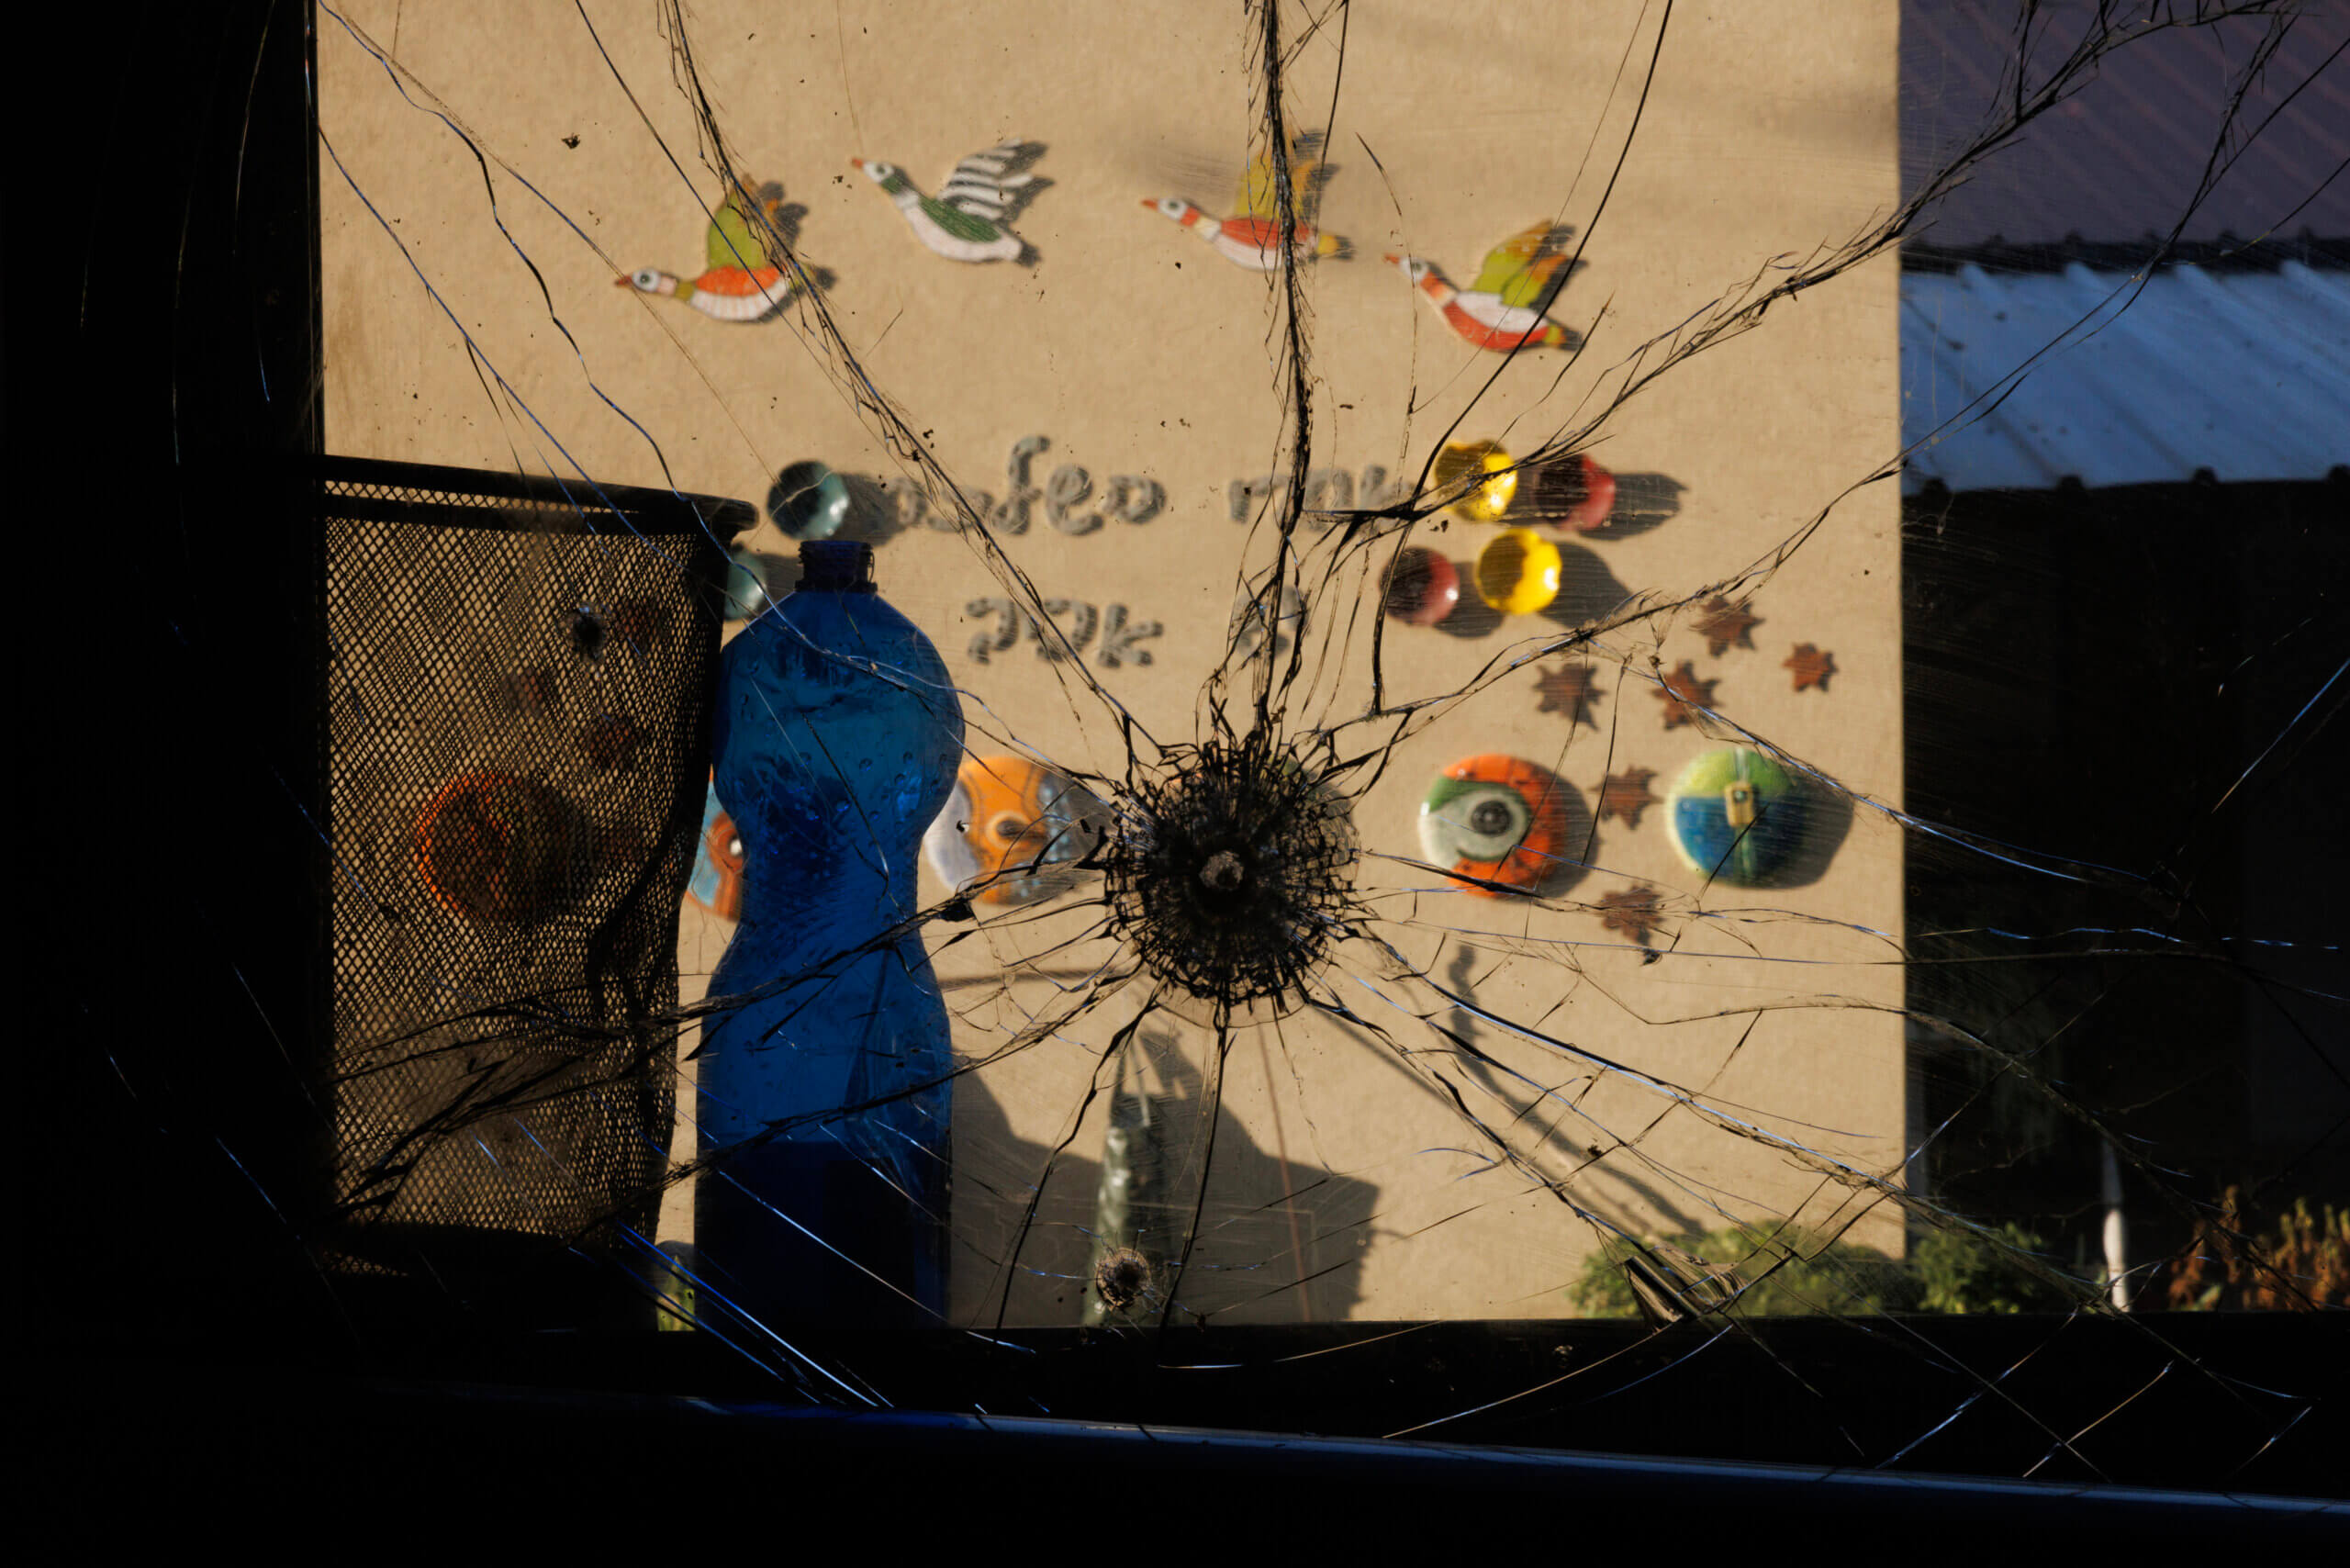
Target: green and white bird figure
x: 742, y: 281
x: 968, y: 219
x: 1504, y: 309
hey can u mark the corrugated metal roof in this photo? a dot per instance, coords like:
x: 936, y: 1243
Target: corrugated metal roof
x: 2120, y: 159
x: 2245, y: 374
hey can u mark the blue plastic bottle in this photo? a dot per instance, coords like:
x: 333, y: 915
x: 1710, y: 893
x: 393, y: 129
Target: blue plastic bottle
x: 837, y: 741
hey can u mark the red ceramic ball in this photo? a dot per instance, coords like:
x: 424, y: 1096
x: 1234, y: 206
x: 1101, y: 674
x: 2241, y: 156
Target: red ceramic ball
x: 1423, y: 588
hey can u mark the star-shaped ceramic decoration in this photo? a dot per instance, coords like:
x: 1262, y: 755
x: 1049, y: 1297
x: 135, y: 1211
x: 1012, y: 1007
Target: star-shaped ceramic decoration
x: 1811, y: 667
x: 1626, y: 795
x: 1682, y: 694
x: 1570, y: 691
x: 1637, y: 913
x: 1725, y: 625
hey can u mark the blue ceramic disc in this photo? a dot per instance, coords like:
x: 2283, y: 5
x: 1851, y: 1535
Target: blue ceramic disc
x: 1736, y: 816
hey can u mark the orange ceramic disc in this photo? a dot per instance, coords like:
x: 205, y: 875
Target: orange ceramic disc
x: 725, y: 852
x: 495, y: 847
x: 1011, y: 826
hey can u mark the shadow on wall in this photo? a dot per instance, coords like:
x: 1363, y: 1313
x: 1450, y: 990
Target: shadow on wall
x: 1615, y: 1189
x: 1259, y: 1257
x: 1642, y: 500
x: 1827, y: 820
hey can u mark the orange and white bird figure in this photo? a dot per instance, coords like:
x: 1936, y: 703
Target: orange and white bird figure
x: 1252, y: 236
x: 1504, y: 309
x: 742, y: 281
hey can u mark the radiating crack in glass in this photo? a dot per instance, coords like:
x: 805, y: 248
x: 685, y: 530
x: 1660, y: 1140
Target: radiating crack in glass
x: 1228, y: 913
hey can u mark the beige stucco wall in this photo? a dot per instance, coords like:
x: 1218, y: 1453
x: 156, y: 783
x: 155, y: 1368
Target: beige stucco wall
x: 1768, y: 131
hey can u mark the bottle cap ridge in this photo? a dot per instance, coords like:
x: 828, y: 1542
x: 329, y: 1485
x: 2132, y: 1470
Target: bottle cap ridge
x: 835, y: 566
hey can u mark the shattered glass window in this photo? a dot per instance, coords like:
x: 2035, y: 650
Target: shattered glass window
x: 1639, y: 687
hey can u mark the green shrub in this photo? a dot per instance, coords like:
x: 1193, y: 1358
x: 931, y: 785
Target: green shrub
x: 1785, y: 1273
x: 1958, y: 1270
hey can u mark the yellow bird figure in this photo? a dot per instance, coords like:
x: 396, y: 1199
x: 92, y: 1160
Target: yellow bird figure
x: 745, y: 281
x: 1252, y: 237
x: 1504, y: 309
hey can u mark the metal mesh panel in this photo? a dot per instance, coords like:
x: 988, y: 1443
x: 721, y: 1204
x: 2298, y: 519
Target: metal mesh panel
x: 518, y: 710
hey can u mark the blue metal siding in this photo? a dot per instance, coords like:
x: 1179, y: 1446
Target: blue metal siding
x: 2245, y: 374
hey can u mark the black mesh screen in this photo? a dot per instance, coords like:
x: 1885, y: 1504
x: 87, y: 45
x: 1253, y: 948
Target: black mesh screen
x: 517, y: 686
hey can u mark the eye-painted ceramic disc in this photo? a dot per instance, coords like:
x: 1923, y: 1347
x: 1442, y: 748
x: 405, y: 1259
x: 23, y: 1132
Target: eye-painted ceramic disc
x: 1013, y: 826
x: 717, y: 880
x: 1736, y: 816
x: 1499, y: 819
x: 1518, y: 572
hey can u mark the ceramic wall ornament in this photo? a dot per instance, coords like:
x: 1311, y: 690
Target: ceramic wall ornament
x: 530, y: 691
x: 1499, y: 820
x: 743, y: 280
x: 1683, y: 695
x: 1012, y: 514
x: 744, y: 596
x: 1725, y: 625
x: 1130, y: 497
x: 1330, y: 493
x: 637, y: 627
x: 1811, y: 667
x: 1570, y: 690
x: 1012, y: 831
x: 610, y: 742
x: 1636, y: 913
x: 1121, y: 630
x: 1251, y: 236
x: 497, y: 849
x: 1572, y: 494
x: 808, y: 500
x: 1485, y: 475
x: 1126, y: 498
x: 1261, y: 612
x: 1071, y: 487
x: 1502, y: 309
x: 970, y: 219
x: 1518, y: 572
x: 1736, y: 816
x: 716, y: 883
x: 1422, y: 587
x: 1626, y: 795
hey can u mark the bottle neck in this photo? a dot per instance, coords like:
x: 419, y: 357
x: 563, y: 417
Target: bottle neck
x: 835, y: 566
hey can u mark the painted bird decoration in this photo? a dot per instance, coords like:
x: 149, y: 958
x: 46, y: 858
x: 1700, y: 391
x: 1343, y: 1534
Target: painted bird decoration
x: 744, y: 280
x: 1251, y: 237
x: 1503, y: 309
x: 970, y: 219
